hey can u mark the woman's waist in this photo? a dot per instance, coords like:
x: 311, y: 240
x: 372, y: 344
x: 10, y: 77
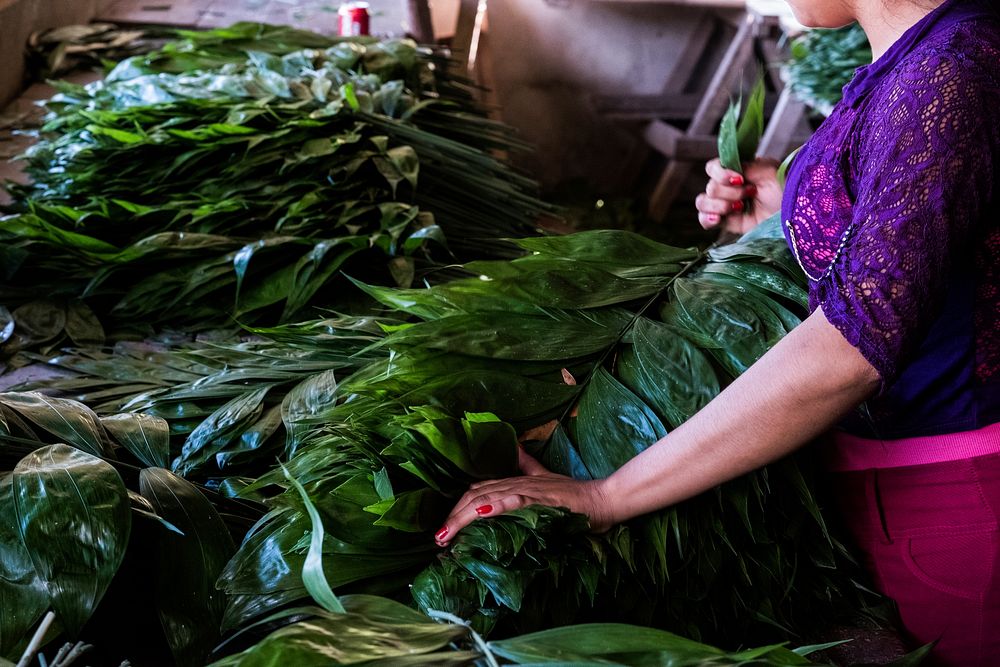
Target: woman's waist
x: 844, y: 452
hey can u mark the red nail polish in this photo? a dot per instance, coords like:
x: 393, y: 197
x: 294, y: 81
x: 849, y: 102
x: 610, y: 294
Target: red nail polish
x: 441, y: 534
x: 736, y: 180
x: 751, y: 191
x: 485, y: 509
x: 737, y: 205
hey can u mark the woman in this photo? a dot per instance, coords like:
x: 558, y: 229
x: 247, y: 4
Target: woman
x: 891, y: 211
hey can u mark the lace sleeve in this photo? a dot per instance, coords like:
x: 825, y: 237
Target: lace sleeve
x: 923, y: 168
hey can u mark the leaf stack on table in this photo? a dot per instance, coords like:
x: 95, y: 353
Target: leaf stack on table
x: 342, y: 200
x: 233, y: 175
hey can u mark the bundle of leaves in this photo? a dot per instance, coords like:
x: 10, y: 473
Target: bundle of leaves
x: 591, y: 348
x: 377, y: 631
x: 617, y: 339
x: 189, y: 199
x: 824, y: 61
x: 59, y: 51
x: 86, y: 529
x: 232, y: 408
x: 95, y: 528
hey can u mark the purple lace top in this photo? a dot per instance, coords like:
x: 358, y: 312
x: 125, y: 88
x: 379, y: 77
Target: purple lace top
x: 891, y: 209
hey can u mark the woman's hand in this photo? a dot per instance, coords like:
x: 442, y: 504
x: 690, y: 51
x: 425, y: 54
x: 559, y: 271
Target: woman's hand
x: 724, y: 202
x: 538, y: 486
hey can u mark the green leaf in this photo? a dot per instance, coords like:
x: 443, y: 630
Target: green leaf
x: 729, y: 147
x: 667, y: 371
x: 306, y: 400
x: 785, y: 166
x: 23, y: 595
x: 613, y: 425
x: 352, y: 639
x: 221, y: 428
x: 509, y: 336
x: 82, y: 325
x: 313, y: 577
x: 145, y: 436
x: 751, y: 127
x: 71, y: 422
x: 188, y: 564
x: 255, y: 443
x: 585, y: 642
x: 619, y: 252
x: 74, y: 520
x: 762, y: 277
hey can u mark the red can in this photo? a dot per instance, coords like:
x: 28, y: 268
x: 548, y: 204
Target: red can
x: 353, y: 19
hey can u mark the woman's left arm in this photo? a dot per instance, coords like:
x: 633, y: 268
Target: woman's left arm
x: 796, y: 391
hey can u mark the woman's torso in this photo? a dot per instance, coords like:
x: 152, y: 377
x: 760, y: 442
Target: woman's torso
x: 949, y: 379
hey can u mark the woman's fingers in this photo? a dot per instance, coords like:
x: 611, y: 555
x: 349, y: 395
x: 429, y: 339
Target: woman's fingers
x: 710, y: 205
x: 717, y: 172
x: 709, y: 220
x: 528, y: 464
x: 498, y: 498
x: 717, y: 190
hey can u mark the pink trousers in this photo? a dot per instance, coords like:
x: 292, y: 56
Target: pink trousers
x: 930, y: 537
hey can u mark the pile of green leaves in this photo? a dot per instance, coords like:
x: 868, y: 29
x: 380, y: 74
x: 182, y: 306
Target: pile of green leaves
x: 241, y: 190
x: 88, y: 507
x: 587, y: 349
x: 62, y: 50
x: 593, y: 346
x: 824, y: 61
x: 231, y: 407
x: 646, y: 346
x: 378, y: 631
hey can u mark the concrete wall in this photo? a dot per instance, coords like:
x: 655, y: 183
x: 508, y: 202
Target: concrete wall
x: 549, y: 57
x: 20, y: 18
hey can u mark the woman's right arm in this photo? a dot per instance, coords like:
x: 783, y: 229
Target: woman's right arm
x: 723, y: 204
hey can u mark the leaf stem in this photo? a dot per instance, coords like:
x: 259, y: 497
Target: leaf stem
x: 36, y: 640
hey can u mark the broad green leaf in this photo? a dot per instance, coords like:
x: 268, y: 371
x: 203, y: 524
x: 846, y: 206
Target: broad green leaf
x: 221, y: 428
x: 40, y: 320
x: 621, y: 252
x: 509, y: 336
x: 145, y: 436
x: 256, y: 442
x: 667, y: 371
x: 349, y: 639
x: 74, y: 520
x: 558, y: 283
x: 82, y: 325
x: 584, y: 642
x: 413, y: 511
x: 740, y: 329
x: 71, y: 422
x: 613, y: 425
x: 23, y: 595
x: 309, y: 398
x: 189, y: 605
x: 763, y: 277
x: 560, y: 455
